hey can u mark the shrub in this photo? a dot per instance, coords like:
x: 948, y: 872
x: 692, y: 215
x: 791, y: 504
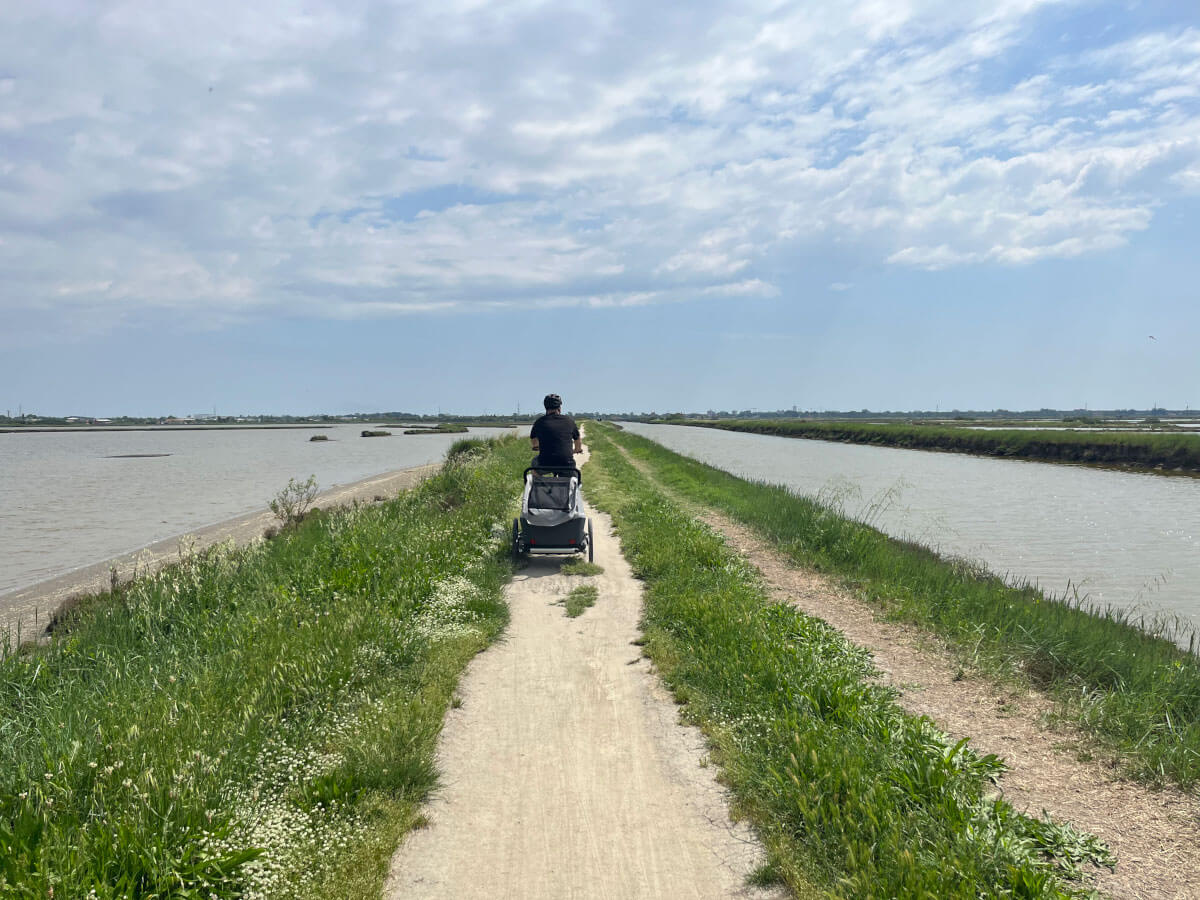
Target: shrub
x: 292, y: 503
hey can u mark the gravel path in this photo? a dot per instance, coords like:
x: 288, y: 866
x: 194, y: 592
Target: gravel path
x: 565, y: 773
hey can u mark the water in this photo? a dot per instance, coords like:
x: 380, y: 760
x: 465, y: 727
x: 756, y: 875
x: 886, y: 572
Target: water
x: 1127, y: 540
x: 65, y: 502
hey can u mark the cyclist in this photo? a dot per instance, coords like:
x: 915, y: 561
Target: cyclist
x: 554, y: 437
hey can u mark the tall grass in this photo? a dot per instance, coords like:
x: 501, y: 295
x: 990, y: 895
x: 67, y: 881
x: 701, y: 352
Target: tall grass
x: 853, y: 796
x: 256, y: 722
x: 1168, y: 451
x: 1135, y: 690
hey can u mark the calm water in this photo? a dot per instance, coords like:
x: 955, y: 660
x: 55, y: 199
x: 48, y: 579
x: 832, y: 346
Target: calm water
x: 1129, y: 540
x: 65, y: 503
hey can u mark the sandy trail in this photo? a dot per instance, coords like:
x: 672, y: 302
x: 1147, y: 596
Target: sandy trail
x: 37, y: 603
x: 565, y: 773
x: 1154, y: 833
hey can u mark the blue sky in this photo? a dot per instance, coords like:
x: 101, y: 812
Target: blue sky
x: 356, y: 206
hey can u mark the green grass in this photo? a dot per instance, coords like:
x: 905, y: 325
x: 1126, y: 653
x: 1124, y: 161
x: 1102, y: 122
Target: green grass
x: 580, y: 566
x: 580, y: 599
x: 852, y: 796
x: 1136, y: 691
x: 440, y: 428
x: 1168, y: 451
x: 257, y: 722
x: 465, y: 449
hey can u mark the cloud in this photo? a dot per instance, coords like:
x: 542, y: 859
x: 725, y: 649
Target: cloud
x: 365, y: 159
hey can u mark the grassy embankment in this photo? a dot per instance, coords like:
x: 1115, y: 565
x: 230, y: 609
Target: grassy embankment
x: 440, y: 428
x: 1175, y: 451
x: 256, y: 722
x: 852, y: 795
x: 1137, y: 692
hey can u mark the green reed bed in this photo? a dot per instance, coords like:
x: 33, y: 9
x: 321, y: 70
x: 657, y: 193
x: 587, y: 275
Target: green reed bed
x: 1124, y: 681
x: 852, y: 795
x: 1117, y: 448
x: 256, y: 722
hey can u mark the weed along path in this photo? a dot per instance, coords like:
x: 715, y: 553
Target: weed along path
x: 1154, y: 833
x: 565, y: 772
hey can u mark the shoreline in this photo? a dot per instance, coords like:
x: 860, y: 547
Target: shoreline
x: 26, y: 610
x: 1158, y: 453
x: 60, y: 429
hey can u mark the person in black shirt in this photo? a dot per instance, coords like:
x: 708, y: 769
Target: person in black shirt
x: 554, y: 437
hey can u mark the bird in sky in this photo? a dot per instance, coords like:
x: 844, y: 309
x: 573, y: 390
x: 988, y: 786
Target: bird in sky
x: 1152, y: 337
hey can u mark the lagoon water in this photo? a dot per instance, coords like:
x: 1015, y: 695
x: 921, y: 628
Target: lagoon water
x: 1125, y: 539
x: 72, y: 498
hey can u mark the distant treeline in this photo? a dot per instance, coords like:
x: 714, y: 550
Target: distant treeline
x: 30, y: 421
x: 1156, y: 451
x: 1043, y: 415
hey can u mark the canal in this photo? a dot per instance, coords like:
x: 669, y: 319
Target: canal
x: 1122, y: 539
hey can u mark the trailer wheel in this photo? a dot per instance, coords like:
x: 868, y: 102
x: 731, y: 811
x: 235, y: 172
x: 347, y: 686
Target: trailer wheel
x: 516, y: 541
x: 591, y: 543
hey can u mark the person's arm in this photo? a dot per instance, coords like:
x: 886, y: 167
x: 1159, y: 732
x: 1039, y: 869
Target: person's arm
x: 533, y: 437
x: 533, y: 443
x: 578, y: 448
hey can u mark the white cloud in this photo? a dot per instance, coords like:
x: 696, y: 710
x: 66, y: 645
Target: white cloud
x: 367, y: 159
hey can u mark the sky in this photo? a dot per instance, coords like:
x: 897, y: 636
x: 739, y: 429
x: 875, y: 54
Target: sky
x: 300, y: 207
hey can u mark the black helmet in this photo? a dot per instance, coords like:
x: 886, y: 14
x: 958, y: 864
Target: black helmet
x: 552, y: 401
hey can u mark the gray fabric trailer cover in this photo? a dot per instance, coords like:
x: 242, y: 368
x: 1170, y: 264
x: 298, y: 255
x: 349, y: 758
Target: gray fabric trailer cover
x: 551, y: 500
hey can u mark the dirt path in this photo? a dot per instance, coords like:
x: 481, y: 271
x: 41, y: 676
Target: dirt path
x: 565, y: 773
x: 37, y: 603
x: 1155, y: 834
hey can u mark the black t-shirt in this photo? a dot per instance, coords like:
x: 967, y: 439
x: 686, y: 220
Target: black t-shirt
x: 556, y: 435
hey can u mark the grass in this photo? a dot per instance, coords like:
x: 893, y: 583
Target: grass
x: 440, y: 428
x: 466, y: 449
x: 1135, y: 691
x: 580, y: 599
x: 1145, y: 451
x: 852, y: 796
x: 255, y: 722
x: 580, y: 566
